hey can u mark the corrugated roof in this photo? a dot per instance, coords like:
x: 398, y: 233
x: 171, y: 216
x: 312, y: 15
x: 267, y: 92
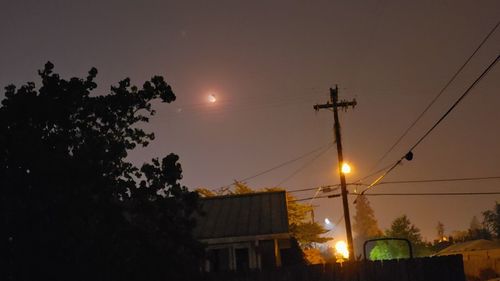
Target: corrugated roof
x: 250, y: 214
x: 475, y: 245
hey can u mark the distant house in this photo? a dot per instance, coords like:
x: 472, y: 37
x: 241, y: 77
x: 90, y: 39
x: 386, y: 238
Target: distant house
x: 479, y: 256
x: 243, y: 232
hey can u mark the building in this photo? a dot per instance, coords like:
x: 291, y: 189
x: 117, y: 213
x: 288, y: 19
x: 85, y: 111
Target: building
x: 244, y: 232
x: 480, y: 257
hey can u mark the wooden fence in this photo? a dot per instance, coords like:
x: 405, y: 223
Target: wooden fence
x: 445, y: 268
x: 482, y: 268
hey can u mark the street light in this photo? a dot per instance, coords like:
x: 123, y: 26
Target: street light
x: 342, y: 251
x: 346, y: 169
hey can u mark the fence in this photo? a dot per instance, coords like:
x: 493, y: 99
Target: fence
x: 444, y: 268
x: 482, y: 268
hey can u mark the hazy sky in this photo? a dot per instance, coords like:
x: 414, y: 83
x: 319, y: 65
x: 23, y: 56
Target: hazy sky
x: 268, y: 63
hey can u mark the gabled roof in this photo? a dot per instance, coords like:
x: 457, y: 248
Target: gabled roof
x: 244, y: 215
x: 475, y: 245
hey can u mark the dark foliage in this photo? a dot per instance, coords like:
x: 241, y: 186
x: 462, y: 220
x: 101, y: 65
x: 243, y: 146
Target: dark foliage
x: 71, y: 206
x: 492, y: 220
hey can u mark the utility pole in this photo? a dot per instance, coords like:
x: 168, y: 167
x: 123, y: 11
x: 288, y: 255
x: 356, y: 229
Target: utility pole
x: 335, y: 104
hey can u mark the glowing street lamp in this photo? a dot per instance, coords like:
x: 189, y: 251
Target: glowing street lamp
x: 346, y: 169
x: 342, y: 251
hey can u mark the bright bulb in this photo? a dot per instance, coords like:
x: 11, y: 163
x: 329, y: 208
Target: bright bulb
x: 341, y: 248
x: 346, y: 169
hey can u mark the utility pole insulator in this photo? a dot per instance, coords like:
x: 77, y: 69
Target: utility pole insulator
x: 335, y: 104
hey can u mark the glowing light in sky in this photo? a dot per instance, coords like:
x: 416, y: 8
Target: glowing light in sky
x: 341, y: 248
x: 211, y: 98
x: 327, y: 221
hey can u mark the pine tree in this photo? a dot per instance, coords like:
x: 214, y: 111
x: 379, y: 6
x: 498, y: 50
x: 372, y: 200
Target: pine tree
x: 365, y: 224
x: 440, y: 230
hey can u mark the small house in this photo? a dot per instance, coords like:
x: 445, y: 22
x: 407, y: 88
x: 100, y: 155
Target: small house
x: 243, y: 232
x: 479, y: 256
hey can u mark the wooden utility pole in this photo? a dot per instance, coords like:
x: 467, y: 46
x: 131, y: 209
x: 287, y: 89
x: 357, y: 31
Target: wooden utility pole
x: 335, y: 104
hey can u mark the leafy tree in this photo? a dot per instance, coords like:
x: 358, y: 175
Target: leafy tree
x: 492, y: 220
x: 459, y: 236
x: 365, y: 224
x: 477, y: 231
x: 71, y: 205
x: 401, y: 227
x: 314, y: 256
x: 474, y: 224
x: 387, y: 250
x: 205, y: 192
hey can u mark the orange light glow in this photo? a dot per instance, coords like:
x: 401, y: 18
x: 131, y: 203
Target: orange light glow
x: 346, y: 169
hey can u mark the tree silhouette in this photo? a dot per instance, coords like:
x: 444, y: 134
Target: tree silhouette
x: 365, y: 224
x: 479, y: 230
x: 401, y: 227
x: 492, y: 220
x: 72, y: 206
x: 440, y: 231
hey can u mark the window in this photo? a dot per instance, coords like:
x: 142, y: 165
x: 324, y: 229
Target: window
x: 242, y: 259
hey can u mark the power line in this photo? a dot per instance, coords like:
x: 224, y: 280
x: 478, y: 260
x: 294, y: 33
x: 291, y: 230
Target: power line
x: 303, y: 166
x: 408, y: 194
x: 316, y: 197
x: 430, y: 194
x: 391, y: 182
x: 409, y: 155
x: 440, y: 180
x: 400, y: 182
x: 439, y: 94
x: 280, y: 165
x: 312, y: 188
x: 336, y: 223
x: 457, y: 102
x: 374, y: 173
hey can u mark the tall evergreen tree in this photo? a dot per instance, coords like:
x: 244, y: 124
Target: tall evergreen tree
x: 440, y: 231
x: 401, y: 227
x: 365, y: 225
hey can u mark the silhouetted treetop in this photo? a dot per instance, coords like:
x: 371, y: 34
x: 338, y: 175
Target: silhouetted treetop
x: 71, y: 202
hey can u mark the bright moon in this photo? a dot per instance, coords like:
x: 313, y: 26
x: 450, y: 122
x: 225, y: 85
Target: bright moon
x: 211, y: 98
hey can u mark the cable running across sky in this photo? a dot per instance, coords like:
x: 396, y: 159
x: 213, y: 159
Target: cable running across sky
x: 327, y: 146
x: 438, y: 95
x: 409, y: 155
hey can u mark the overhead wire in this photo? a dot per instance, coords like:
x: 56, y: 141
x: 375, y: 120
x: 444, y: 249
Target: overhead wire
x: 294, y: 173
x: 439, y: 94
x: 393, y: 182
x: 398, y: 182
x: 218, y: 109
x: 440, y: 180
x: 228, y: 104
x: 493, y: 63
x: 374, y: 173
x: 341, y: 218
x: 409, y: 155
x: 324, y: 188
x: 279, y: 165
x: 407, y: 194
x: 430, y: 194
x: 317, y: 197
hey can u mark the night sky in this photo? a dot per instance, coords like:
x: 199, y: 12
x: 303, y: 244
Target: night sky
x: 267, y: 63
